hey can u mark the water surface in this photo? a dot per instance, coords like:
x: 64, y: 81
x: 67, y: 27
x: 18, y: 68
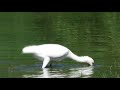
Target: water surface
x: 94, y: 34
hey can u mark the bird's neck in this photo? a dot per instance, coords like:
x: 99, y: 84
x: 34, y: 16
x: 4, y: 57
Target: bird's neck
x: 77, y: 58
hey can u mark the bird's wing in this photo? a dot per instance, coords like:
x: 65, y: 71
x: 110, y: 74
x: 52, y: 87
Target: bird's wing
x: 45, y: 62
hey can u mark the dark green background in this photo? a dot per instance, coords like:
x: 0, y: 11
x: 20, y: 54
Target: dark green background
x: 94, y: 34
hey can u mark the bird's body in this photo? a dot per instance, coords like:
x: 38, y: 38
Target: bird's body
x: 54, y: 52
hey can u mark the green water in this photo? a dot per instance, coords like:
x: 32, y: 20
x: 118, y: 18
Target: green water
x: 94, y: 34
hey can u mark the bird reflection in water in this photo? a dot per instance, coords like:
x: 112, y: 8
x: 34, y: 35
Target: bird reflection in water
x: 83, y: 72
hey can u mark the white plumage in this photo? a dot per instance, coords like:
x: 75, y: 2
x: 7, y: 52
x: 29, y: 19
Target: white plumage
x: 54, y: 52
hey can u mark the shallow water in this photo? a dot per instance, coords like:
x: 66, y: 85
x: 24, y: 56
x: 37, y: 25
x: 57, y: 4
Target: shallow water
x: 94, y: 34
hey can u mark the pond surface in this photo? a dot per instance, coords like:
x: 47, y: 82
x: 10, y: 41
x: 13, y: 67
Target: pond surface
x: 94, y: 34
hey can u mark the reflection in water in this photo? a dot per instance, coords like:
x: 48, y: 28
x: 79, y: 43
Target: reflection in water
x: 84, y: 72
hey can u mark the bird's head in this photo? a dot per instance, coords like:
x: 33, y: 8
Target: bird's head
x: 29, y: 49
x: 88, y: 60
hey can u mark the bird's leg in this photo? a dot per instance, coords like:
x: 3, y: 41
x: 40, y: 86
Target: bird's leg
x: 45, y: 62
x: 45, y: 58
x: 51, y: 64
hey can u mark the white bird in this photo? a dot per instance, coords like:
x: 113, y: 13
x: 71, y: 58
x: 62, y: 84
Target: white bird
x: 54, y: 52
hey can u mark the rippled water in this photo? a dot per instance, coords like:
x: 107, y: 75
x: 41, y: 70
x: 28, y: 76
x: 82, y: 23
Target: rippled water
x: 58, y: 70
x: 83, y: 72
x: 94, y: 34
